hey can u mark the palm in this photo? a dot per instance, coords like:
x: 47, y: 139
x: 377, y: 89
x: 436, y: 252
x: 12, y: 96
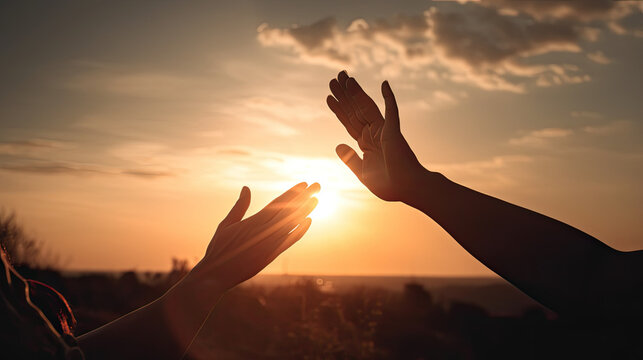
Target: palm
x: 241, y: 248
x: 388, y: 161
x: 375, y: 174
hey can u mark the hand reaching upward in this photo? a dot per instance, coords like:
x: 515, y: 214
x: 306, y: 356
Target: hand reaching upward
x: 389, y: 167
x: 242, y: 248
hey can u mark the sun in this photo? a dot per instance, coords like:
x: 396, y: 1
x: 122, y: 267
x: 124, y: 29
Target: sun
x: 327, y: 205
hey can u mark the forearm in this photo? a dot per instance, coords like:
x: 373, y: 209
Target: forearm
x: 547, y: 259
x: 162, y: 329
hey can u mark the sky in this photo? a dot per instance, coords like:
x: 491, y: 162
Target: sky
x: 127, y: 129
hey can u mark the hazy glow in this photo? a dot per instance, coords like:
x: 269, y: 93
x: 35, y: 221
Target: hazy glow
x: 329, y: 202
x: 122, y: 156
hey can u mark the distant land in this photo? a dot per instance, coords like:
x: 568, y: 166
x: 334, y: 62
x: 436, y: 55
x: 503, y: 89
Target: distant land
x: 494, y: 294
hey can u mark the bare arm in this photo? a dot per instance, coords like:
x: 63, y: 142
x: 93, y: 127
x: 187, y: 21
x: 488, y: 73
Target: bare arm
x: 560, y: 266
x: 165, y: 328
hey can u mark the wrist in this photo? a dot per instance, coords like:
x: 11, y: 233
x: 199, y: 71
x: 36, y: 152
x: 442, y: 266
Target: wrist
x: 425, y: 187
x: 195, y: 293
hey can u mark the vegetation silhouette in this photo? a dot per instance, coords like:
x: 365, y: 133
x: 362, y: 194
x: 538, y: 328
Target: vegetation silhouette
x: 164, y: 321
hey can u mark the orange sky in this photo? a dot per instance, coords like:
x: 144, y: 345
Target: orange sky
x: 127, y: 130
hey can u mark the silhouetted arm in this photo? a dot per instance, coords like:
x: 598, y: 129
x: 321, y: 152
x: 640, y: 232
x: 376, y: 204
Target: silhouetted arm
x: 165, y: 328
x: 560, y: 266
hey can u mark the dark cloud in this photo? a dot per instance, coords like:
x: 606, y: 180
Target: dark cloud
x: 488, y: 44
x: 482, y: 36
x: 581, y: 10
x: 327, y: 43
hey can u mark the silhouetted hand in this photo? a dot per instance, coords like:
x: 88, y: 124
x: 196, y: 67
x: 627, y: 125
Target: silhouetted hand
x: 240, y: 248
x: 389, y: 167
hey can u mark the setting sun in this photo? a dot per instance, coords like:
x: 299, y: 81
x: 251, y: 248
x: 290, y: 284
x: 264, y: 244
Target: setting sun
x: 329, y: 201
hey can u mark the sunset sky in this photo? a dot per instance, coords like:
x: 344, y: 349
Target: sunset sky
x: 128, y: 128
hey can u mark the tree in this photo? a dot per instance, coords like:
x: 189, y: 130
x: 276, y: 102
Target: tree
x: 21, y: 248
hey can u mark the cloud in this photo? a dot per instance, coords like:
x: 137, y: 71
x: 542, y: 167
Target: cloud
x: 609, y: 128
x: 488, y: 44
x: 437, y: 99
x: 542, y: 136
x: 274, y: 115
x: 32, y: 146
x: 496, y: 172
x: 52, y: 168
x: 547, y: 135
x: 586, y: 114
x: 586, y: 10
x: 235, y: 152
x: 41, y: 167
x: 116, y: 80
x: 147, y: 174
x: 599, y: 58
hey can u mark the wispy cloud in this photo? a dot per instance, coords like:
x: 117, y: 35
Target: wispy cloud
x: 495, y: 172
x: 273, y: 115
x: 586, y: 114
x: 609, y: 128
x: 541, y: 137
x: 599, y: 57
x: 118, y: 80
x: 33, y: 146
x: 41, y: 167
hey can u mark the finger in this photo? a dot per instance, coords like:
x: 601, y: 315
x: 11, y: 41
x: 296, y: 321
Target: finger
x: 334, y: 105
x: 270, y: 210
x: 291, y: 239
x: 365, y: 141
x: 295, y: 204
x: 391, y: 117
x: 350, y: 158
x: 238, y: 210
x: 343, y: 79
x: 272, y: 232
x: 345, y: 103
x: 267, y: 251
x: 282, y: 226
x: 292, y: 219
x: 364, y: 103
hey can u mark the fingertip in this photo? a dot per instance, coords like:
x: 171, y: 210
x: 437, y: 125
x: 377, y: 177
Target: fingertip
x: 314, y: 188
x: 245, y: 192
x: 301, y: 185
x: 344, y: 152
x: 386, y: 89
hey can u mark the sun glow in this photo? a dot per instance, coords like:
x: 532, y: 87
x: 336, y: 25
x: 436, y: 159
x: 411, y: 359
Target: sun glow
x: 327, y: 206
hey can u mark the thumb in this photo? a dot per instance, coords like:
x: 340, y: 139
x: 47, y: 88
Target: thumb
x: 238, y: 210
x: 350, y: 158
x: 391, y: 117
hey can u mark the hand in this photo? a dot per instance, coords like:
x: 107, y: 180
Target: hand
x: 389, y: 168
x: 241, y: 248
